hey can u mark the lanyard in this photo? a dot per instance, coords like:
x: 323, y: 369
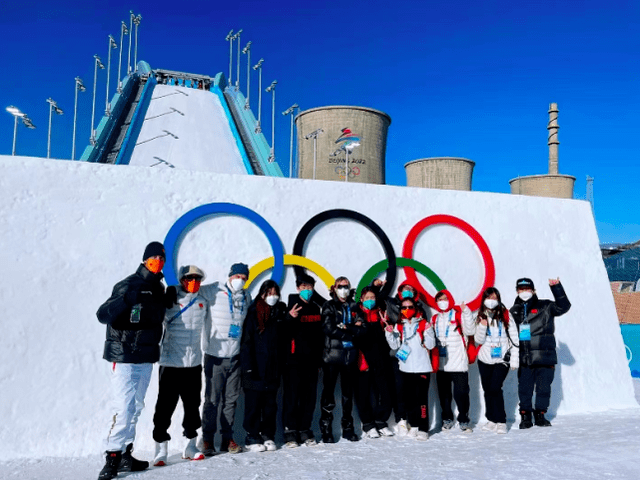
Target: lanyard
x: 446, y: 333
x: 348, y: 319
x: 499, y: 330
x: 183, y: 310
x: 404, y: 331
x: 229, y: 296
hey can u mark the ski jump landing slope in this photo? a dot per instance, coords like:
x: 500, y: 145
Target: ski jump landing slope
x: 70, y: 230
x: 189, y: 129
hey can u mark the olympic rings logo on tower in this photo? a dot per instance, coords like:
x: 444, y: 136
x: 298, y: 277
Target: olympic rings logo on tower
x: 297, y: 259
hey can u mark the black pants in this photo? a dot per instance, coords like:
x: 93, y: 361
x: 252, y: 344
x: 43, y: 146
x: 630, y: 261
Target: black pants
x: 492, y: 378
x: 538, y: 379
x: 373, y: 398
x: 460, y: 383
x: 416, y: 399
x: 300, y: 382
x: 330, y: 374
x: 260, y: 411
x: 396, y: 388
x: 184, y: 383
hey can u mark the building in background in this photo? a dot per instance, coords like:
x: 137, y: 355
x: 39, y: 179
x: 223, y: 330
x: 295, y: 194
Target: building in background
x: 449, y: 173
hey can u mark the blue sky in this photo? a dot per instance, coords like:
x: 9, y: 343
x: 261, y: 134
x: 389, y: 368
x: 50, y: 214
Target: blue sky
x: 459, y: 78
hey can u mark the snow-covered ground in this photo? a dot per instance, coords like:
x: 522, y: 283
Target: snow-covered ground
x: 595, y: 446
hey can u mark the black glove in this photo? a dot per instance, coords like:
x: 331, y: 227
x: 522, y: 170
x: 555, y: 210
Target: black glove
x: 171, y: 297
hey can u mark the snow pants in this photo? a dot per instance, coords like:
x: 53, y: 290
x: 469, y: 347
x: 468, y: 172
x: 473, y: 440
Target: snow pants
x: 260, y: 413
x: 373, y: 398
x: 184, y: 383
x: 129, y: 383
x: 492, y: 378
x: 300, y: 382
x: 396, y: 388
x: 416, y: 399
x: 460, y: 383
x: 536, y: 379
x: 330, y: 374
x: 222, y: 389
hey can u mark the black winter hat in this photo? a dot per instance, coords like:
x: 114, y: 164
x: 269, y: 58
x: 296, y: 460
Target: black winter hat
x: 239, y: 269
x: 154, y: 249
x: 525, y: 283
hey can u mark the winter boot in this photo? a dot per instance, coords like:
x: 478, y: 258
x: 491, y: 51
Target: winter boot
x: 349, y: 434
x: 208, y: 449
x: 110, y: 469
x: 327, y: 430
x: 191, y: 452
x: 540, y: 421
x: 161, y: 453
x: 525, y: 419
x: 130, y: 464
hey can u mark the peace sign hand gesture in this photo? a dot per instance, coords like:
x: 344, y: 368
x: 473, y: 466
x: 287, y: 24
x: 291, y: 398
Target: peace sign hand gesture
x: 295, y: 310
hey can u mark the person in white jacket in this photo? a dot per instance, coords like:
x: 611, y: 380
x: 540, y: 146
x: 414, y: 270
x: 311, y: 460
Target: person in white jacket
x: 496, y: 333
x: 413, y: 337
x: 181, y: 365
x: 229, y: 303
x: 452, y: 328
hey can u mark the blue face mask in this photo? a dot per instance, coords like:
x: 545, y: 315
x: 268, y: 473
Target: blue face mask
x: 306, y: 295
x: 368, y: 304
x: 407, y: 294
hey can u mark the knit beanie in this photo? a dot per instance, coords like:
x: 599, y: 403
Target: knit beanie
x: 152, y: 250
x: 239, y: 269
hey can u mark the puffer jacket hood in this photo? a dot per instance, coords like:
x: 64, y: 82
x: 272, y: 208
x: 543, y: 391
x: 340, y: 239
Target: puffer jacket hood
x: 452, y: 303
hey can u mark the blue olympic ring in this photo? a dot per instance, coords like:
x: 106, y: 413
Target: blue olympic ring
x: 190, y: 219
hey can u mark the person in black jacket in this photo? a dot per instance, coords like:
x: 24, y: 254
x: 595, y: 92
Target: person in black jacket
x: 341, y: 329
x: 261, y: 364
x: 133, y: 314
x: 536, y: 326
x: 303, y: 354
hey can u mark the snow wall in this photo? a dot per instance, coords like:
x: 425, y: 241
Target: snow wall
x: 70, y: 230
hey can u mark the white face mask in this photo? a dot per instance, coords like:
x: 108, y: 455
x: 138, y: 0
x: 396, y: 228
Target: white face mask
x: 237, y: 284
x: 342, y: 292
x: 272, y: 300
x: 443, y: 305
x: 490, y: 303
x: 525, y: 295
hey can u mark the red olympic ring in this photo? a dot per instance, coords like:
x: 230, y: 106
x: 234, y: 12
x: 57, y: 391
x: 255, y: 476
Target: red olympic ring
x: 418, y: 228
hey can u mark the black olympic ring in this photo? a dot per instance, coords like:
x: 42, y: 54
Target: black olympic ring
x: 305, y: 231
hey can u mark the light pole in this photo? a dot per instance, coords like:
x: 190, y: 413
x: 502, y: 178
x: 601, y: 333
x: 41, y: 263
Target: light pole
x: 123, y: 31
x: 237, y: 36
x: 258, y: 66
x: 131, y: 17
x: 26, y: 120
x: 290, y: 111
x: 314, y: 135
x: 229, y: 38
x: 247, y: 50
x: 79, y: 87
x: 92, y: 139
x: 112, y: 44
x: 272, y: 89
x: 53, y: 107
x: 136, y: 22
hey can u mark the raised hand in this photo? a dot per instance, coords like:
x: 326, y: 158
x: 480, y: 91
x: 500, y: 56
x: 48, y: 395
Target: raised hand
x: 554, y: 281
x: 295, y: 310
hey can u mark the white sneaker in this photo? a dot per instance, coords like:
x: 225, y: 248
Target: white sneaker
x: 191, y: 452
x: 256, y: 447
x: 422, y: 436
x: 401, y: 428
x: 387, y: 432
x: 489, y: 427
x: 413, y: 432
x: 270, y: 446
x: 501, y: 428
x: 291, y: 444
x: 310, y: 442
x: 160, y: 458
x: 465, y: 427
x: 373, y: 433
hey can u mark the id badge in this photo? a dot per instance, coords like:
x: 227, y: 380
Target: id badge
x: 496, y: 352
x: 525, y: 332
x: 347, y: 344
x: 234, y: 330
x: 442, y: 350
x: 403, y: 353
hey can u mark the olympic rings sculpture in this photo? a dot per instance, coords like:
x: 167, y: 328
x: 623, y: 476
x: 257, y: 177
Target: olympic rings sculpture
x: 279, y: 260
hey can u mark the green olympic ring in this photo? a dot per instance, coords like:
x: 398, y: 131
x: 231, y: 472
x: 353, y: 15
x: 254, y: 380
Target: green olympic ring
x: 383, y: 265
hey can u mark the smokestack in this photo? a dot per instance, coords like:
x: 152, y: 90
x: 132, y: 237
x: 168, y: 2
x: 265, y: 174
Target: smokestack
x: 553, y: 139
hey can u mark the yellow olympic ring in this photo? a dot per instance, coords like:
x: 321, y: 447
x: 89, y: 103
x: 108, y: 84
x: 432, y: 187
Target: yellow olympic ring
x: 264, y: 265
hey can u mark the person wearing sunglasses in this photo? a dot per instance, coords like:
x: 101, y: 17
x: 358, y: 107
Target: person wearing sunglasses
x: 340, y: 355
x: 412, y: 338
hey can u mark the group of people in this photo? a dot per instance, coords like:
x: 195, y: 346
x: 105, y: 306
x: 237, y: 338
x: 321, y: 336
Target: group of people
x: 383, y: 350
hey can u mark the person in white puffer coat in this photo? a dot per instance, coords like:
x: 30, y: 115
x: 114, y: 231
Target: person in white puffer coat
x: 452, y: 328
x: 413, y: 337
x: 229, y: 303
x: 181, y: 364
x: 497, y: 334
